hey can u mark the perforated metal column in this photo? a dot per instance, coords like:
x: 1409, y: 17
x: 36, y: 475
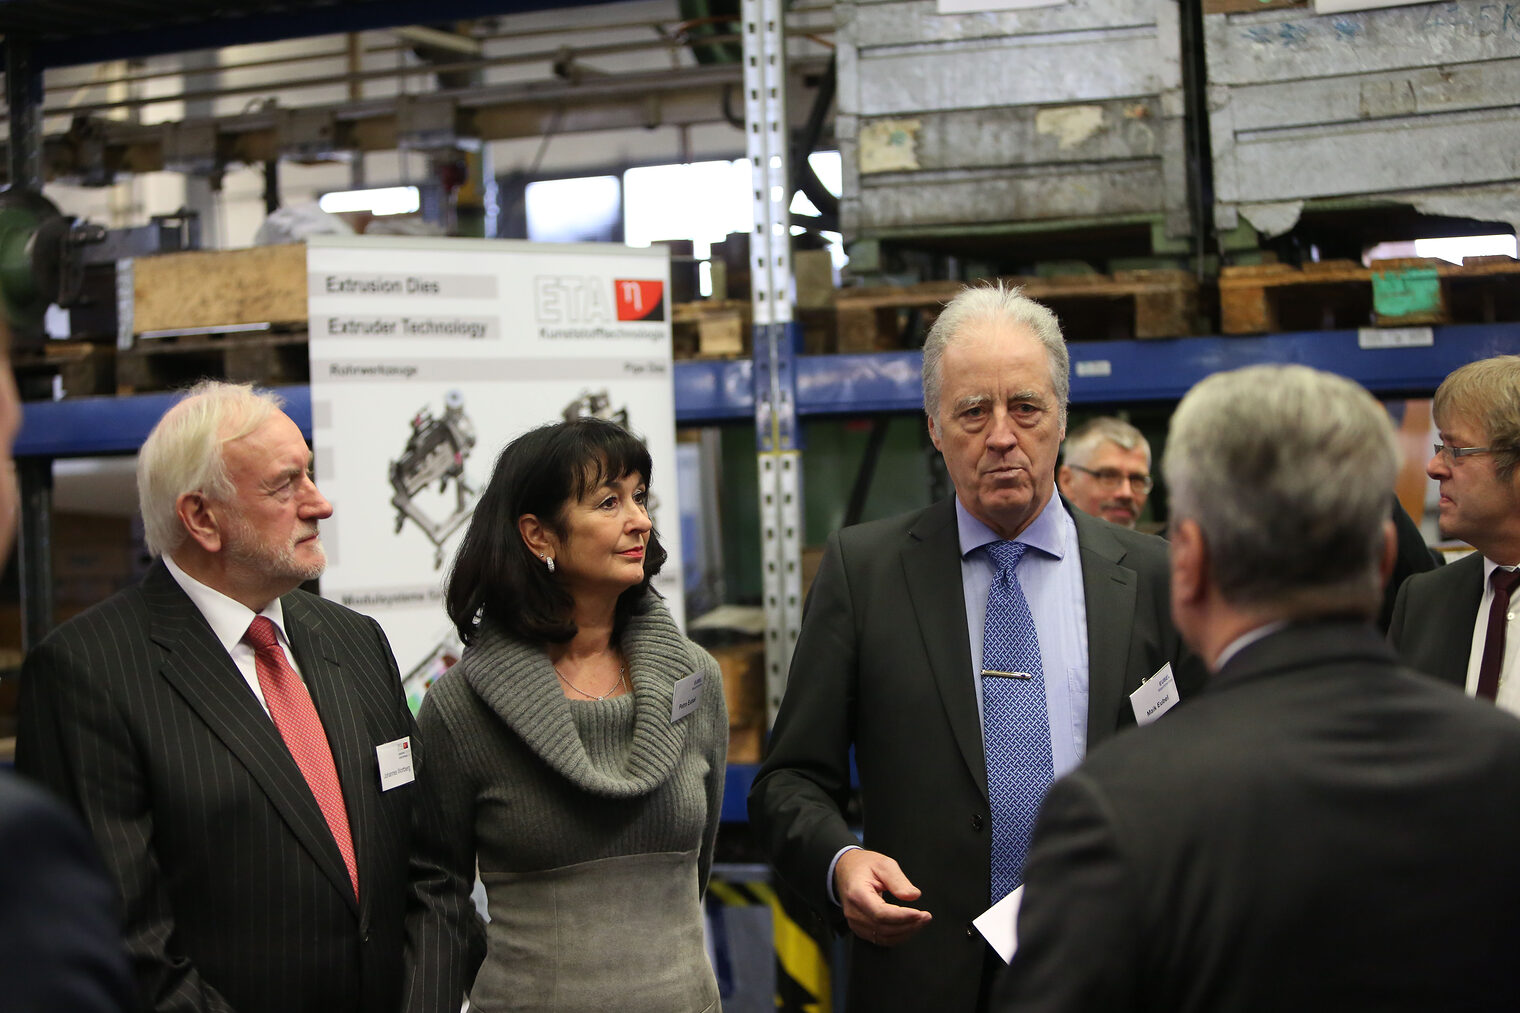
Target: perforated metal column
x: 775, y: 339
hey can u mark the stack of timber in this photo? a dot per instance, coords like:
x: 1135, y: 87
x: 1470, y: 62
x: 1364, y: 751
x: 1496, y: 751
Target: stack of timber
x: 1339, y: 293
x: 234, y: 314
x: 1126, y: 304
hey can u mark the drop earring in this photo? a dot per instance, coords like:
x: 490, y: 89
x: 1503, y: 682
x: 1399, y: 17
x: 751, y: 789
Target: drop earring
x: 548, y: 561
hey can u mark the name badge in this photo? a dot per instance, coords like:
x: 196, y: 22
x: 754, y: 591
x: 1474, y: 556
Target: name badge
x: 395, y: 763
x: 1155, y: 697
x: 685, y: 696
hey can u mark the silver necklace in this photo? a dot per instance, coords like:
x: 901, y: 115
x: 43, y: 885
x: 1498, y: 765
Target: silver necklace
x: 611, y: 690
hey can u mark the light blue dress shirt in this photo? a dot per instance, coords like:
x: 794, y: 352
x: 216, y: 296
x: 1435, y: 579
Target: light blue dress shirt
x: 1051, y: 576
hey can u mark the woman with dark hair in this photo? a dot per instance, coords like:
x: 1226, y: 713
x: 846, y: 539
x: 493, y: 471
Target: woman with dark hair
x: 579, y: 743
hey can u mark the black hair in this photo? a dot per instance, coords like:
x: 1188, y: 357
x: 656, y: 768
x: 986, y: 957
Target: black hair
x: 495, y: 576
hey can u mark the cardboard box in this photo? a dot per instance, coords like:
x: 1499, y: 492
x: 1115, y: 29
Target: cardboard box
x: 743, y: 668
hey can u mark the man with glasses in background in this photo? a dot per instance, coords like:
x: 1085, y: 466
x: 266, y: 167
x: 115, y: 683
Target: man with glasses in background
x: 1458, y: 622
x: 1106, y: 470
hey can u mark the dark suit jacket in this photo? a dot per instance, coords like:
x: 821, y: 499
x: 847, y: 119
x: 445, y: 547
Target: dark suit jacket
x: 1413, y: 557
x: 234, y: 892
x: 59, y: 944
x: 1433, y: 617
x: 1318, y: 831
x: 883, y: 664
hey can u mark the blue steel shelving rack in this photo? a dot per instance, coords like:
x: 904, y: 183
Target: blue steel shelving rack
x: 710, y: 391
x: 718, y: 391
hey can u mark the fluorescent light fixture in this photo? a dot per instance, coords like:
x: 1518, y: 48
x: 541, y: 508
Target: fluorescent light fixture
x: 1457, y: 247
x: 385, y: 200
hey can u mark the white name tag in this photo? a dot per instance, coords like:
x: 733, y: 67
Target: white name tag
x: 1155, y: 697
x: 395, y: 763
x: 685, y: 696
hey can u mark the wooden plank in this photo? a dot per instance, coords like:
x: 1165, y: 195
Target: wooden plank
x: 264, y: 284
x: 1141, y: 303
x: 1393, y: 292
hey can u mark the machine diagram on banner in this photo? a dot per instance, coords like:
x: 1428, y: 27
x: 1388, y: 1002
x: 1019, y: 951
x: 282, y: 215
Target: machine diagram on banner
x: 435, y: 451
x: 445, y: 653
x: 598, y: 404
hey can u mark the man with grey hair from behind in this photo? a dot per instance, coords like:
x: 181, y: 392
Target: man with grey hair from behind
x: 1106, y: 470
x: 1278, y: 844
x: 243, y: 751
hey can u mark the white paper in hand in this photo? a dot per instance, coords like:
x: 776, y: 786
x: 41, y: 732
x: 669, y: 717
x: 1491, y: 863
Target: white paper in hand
x: 999, y: 924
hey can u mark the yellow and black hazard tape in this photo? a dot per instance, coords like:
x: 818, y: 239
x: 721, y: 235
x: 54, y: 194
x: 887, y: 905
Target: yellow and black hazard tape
x: 802, y: 963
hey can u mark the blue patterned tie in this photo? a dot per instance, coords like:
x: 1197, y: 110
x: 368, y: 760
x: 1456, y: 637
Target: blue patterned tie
x: 1016, y: 728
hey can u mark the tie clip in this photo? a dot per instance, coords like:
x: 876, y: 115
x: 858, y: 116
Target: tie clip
x: 1007, y: 675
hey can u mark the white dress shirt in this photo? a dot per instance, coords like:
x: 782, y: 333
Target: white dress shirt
x: 229, y: 620
x: 1509, y: 669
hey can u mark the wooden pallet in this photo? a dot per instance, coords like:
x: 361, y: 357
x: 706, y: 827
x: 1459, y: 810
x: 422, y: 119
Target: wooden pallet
x: 265, y: 358
x: 710, y: 328
x: 723, y: 329
x: 1342, y: 293
x: 1126, y: 304
x: 70, y: 368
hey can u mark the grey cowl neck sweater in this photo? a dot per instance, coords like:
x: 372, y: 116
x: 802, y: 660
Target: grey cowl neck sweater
x: 516, y: 681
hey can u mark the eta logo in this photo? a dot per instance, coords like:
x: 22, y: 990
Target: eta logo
x: 640, y: 300
x: 571, y: 299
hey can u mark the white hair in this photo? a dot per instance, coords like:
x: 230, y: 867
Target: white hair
x: 1289, y: 474
x: 995, y: 304
x: 1083, y: 442
x: 183, y: 453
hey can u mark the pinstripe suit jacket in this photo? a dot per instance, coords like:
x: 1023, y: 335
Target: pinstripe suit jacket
x: 235, y: 895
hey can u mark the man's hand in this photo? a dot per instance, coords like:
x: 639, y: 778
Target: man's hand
x: 860, y: 879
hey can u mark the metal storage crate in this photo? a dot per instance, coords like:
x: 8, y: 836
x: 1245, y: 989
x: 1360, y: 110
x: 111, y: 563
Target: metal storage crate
x: 1411, y: 105
x: 949, y: 123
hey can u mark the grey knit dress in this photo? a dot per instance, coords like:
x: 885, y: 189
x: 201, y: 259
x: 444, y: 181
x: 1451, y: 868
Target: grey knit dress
x: 592, y: 822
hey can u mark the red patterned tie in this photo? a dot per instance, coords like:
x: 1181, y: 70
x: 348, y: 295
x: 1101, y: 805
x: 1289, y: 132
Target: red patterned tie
x: 291, y: 707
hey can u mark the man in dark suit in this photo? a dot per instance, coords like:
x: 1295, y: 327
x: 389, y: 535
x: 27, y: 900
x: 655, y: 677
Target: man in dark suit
x: 894, y: 661
x: 243, y: 751
x: 1458, y: 623
x: 60, y: 948
x: 1320, y: 830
